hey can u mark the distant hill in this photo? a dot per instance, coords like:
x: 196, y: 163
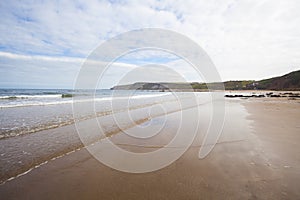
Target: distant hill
x: 290, y: 81
x: 153, y: 86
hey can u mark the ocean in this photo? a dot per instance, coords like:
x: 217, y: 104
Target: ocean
x: 38, y: 125
x: 24, y: 111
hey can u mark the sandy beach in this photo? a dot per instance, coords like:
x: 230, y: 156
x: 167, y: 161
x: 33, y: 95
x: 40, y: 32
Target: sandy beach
x: 150, y: 100
x: 256, y: 157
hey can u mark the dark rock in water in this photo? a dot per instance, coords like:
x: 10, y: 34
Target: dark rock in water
x: 233, y: 96
x: 275, y: 95
x: 259, y: 96
x: 244, y: 96
x: 66, y: 95
x: 294, y: 96
x: 11, y: 98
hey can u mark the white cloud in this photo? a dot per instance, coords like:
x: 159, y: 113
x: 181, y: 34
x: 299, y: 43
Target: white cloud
x: 23, y: 71
x: 250, y: 39
x: 37, y: 57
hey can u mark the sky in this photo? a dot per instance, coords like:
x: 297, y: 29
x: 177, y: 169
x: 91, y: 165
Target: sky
x: 43, y: 44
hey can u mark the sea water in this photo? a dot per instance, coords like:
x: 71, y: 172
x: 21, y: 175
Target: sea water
x: 38, y: 125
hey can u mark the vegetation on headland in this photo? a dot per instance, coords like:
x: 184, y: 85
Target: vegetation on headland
x: 289, y: 81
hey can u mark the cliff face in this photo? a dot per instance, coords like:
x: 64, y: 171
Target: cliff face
x: 289, y: 81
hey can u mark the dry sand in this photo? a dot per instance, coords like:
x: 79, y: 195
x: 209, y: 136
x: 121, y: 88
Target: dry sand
x: 257, y: 157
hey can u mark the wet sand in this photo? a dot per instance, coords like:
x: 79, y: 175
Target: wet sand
x: 257, y: 157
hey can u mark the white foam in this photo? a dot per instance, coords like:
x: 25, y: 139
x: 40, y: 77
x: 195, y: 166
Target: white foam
x: 27, y: 102
x: 31, y: 96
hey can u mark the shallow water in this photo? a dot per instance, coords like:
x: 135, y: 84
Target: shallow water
x: 29, y: 111
x: 33, y: 135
